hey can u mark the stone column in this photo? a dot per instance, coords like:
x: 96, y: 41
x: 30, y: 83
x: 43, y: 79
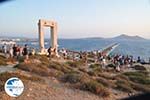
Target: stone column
x: 54, y: 37
x: 41, y: 37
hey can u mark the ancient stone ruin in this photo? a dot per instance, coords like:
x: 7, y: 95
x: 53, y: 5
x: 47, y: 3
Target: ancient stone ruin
x: 53, y: 30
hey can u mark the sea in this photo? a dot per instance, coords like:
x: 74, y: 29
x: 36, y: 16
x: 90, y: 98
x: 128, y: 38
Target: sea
x: 126, y: 47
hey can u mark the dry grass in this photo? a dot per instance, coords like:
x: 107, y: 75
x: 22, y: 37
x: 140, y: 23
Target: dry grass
x: 107, y: 76
x: 119, y: 82
x: 138, y: 77
x: 111, y: 66
x: 75, y: 64
x: 60, y: 67
x: 72, y: 78
x: 51, y: 68
x: 95, y: 87
x: 3, y: 60
x: 139, y: 67
x: 83, y: 70
x: 95, y: 71
x: 42, y: 58
x: 5, y: 76
x: 139, y: 87
x: 39, y: 69
x: 122, y: 85
x: 133, y: 81
x: 106, y: 82
x: 95, y: 66
x: 96, y: 80
x: 86, y: 83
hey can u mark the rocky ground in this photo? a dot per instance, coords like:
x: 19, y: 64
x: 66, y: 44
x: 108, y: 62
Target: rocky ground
x: 56, y: 79
x: 52, y: 90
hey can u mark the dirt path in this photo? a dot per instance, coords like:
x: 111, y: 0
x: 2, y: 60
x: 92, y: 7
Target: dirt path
x: 7, y: 68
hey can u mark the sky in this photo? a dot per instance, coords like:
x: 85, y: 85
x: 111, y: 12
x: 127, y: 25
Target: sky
x: 76, y: 18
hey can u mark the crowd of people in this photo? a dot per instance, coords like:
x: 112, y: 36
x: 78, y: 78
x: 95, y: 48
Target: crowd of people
x: 120, y: 61
x: 15, y: 51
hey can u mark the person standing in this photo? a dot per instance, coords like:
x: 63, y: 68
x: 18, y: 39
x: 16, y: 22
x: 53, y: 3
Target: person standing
x: 14, y: 51
x: 5, y: 49
x: 25, y: 52
x: 18, y: 51
x: 118, y: 66
x: 49, y: 51
x: 139, y: 59
x: 11, y: 51
x: 21, y: 52
x: 64, y: 53
x: 103, y: 63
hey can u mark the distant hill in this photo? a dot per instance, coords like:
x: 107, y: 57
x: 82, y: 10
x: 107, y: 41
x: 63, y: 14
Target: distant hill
x: 120, y: 37
x: 94, y: 38
x: 126, y: 37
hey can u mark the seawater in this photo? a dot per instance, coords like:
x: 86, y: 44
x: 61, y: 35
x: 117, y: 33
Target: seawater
x: 126, y: 47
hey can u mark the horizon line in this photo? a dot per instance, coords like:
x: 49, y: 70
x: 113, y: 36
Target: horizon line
x: 2, y: 36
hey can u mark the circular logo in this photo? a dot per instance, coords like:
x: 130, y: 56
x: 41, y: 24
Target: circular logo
x: 14, y: 87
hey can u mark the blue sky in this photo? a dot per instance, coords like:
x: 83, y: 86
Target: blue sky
x: 76, y: 18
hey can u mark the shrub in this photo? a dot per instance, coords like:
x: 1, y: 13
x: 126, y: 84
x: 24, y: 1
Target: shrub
x: 57, y: 74
x: 111, y: 66
x: 106, y: 76
x: 44, y: 59
x: 60, y: 67
x: 39, y: 69
x: 83, y: 70
x: 75, y: 64
x: 122, y: 78
x: 95, y: 87
x: 138, y: 77
x: 95, y: 71
x: 91, y: 73
x: 55, y: 65
x: 124, y: 86
x: 3, y: 60
x: 105, y: 82
x: 72, y: 78
x: 5, y: 76
x: 139, y: 87
x: 139, y: 67
x: 95, y: 66
x: 21, y: 59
